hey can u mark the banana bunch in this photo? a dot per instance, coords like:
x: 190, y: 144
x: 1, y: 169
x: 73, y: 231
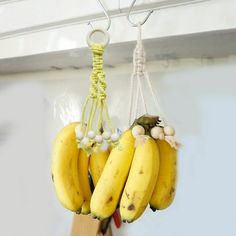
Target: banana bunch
x: 139, y: 171
x: 70, y: 169
x: 64, y: 169
x: 164, y: 190
x: 108, y: 190
x: 141, y: 180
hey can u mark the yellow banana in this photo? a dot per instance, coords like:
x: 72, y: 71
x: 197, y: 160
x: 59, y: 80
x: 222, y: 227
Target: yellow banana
x: 63, y: 167
x: 141, y: 180
x: 96, y: 164
x: 164, y: 190
x: 84, y: 179
x: 109, y: 187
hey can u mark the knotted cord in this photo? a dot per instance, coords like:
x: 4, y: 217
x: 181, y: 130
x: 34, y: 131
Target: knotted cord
x: 97, y: 94
x: 140, y: 73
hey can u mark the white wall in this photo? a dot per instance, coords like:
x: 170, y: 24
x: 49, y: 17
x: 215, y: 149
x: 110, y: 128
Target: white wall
x: 199, y: 98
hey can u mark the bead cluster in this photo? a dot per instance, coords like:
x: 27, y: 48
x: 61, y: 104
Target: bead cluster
x: 162, y: 133
x: 99, y: 141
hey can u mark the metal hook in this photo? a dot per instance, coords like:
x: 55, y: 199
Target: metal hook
x: 106, y: 14
x: 139, y: 23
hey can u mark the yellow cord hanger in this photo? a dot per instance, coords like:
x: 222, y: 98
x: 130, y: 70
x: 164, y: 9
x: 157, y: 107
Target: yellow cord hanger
x: 97, y: 128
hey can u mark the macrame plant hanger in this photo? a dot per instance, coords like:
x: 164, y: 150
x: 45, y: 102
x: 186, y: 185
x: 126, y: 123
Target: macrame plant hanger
x: 96, y: 127
x: 138, y: 77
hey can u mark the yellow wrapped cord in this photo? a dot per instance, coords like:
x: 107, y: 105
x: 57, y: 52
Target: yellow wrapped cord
x: 97, y: 94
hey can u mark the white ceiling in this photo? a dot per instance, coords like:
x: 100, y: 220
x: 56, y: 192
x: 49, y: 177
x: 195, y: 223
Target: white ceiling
x: 204, y: 45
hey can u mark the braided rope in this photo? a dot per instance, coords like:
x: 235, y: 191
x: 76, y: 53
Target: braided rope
x: 140, y: 73
x: 97, y: 93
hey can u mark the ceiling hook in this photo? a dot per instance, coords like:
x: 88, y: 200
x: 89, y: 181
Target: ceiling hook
x: 106, y: 14
x: 141, y: 22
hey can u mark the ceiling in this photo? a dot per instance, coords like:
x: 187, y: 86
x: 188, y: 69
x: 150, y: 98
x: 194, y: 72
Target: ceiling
x: 203, y: 45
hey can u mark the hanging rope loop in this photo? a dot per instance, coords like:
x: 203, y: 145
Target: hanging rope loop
x: 139, y: 76
x: 96, y: 101
x: 140, y: 73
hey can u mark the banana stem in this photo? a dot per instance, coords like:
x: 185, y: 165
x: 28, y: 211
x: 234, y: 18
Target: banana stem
x: 147, y: 122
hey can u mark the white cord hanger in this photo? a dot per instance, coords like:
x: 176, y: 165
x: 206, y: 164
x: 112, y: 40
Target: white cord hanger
x: 139, y: 76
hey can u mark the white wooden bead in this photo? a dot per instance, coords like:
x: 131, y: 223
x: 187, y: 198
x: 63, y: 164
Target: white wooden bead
x: 98, y: 138
x: 91, y: 134
x: 115, y: 137
x: 138, y: 130
x: 161, y: 136
x: 156, y: 131
x: 85, y: 141
x: 169, y: 131
x: 106, y: 135
x: 104, y: 147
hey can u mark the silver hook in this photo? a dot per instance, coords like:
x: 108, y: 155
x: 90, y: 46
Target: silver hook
x: 139, y: 23
x: 106, y: 14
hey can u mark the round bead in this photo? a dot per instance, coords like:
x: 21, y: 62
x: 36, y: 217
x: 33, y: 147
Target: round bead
x: 91, y: 134
x: 138, y: 130
x: 104, y: 147
x: 169, y: 131
x: 85, y: 141
x: 161, y: 136
x: 98, y: 138
x: 156, y: 131
x: 106, y: 135
x: 115, y: 137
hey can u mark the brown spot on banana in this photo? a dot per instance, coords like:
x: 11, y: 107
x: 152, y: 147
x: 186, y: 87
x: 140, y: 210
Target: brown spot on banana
x: 127, y: 195
x: 131, y: 207
x: 117, y: 172
x: 109, y: 199
x: 172, y: 190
